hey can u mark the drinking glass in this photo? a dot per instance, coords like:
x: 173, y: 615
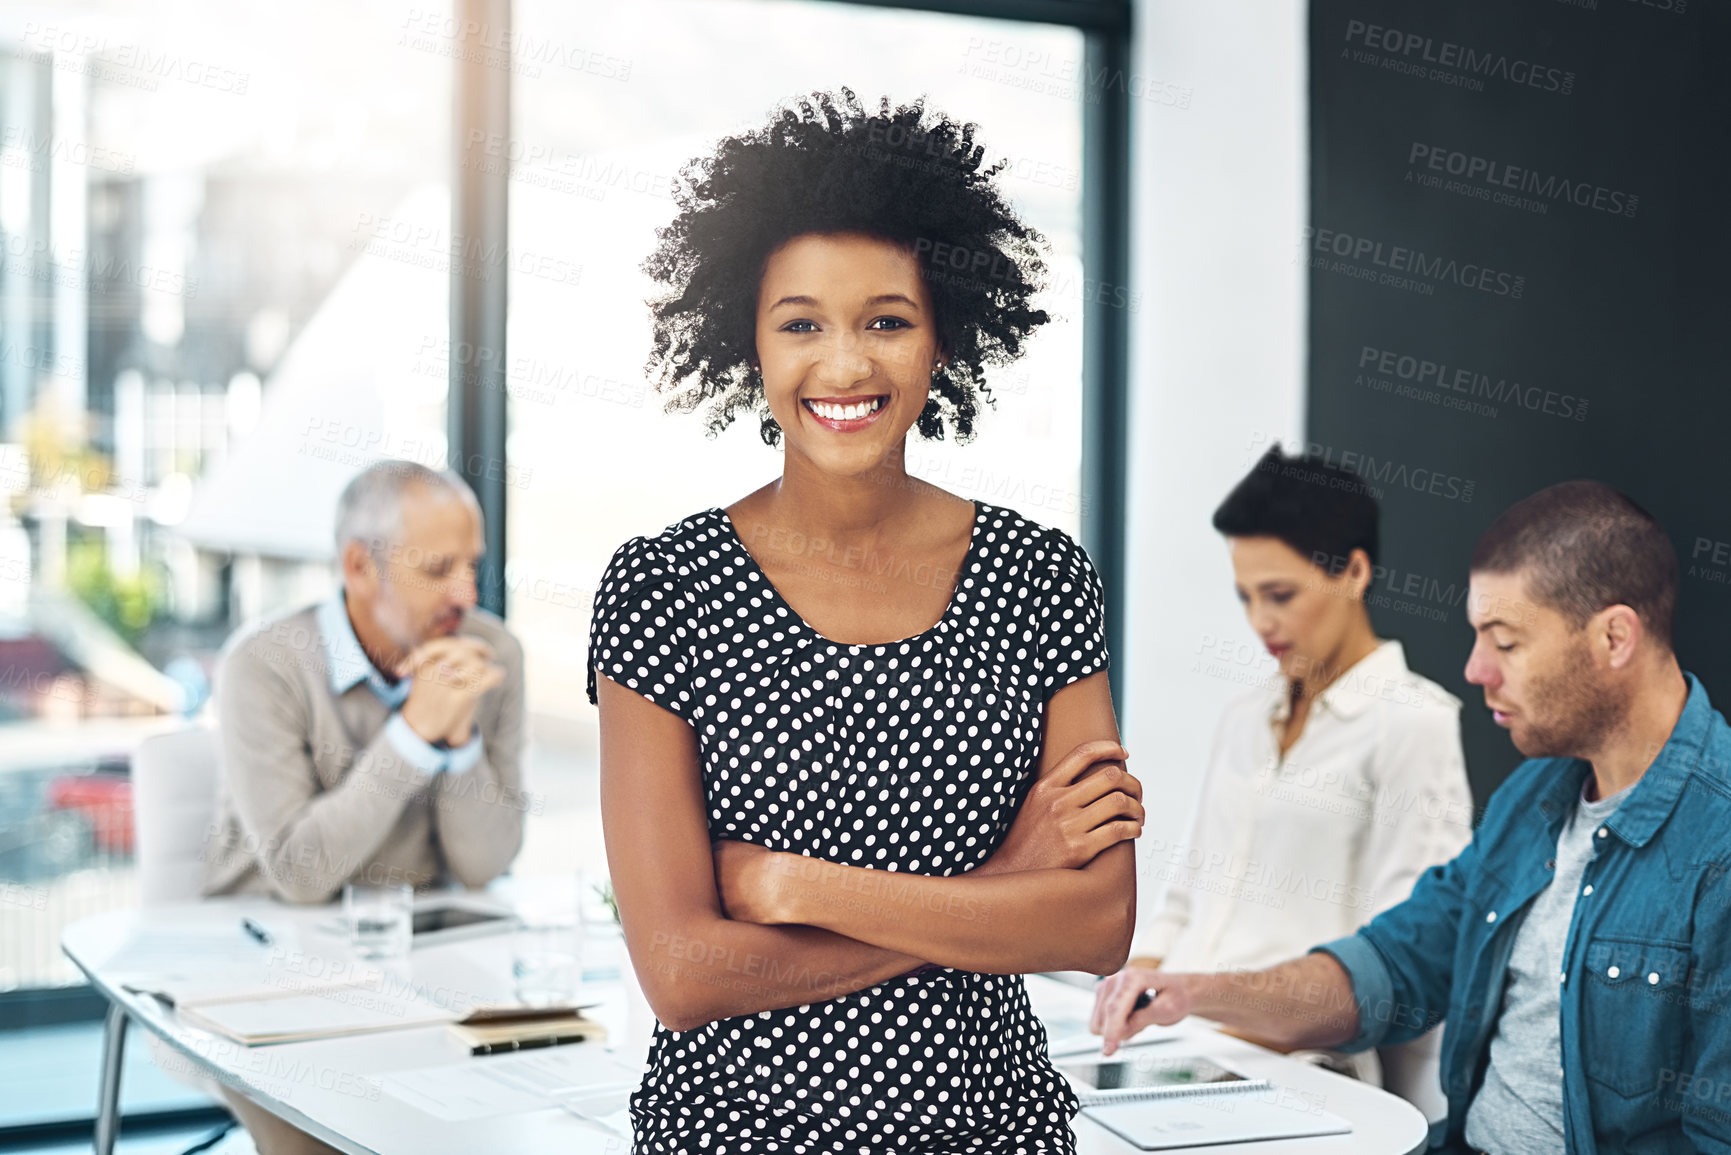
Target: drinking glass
x: 546, y: 961
x: 379, y: 918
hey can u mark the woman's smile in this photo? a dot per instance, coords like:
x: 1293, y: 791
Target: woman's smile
x: 846, y: 414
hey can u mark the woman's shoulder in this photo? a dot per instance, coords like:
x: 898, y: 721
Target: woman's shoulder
x: 1040, y: 546
x: 1427, y: 695
x: 678, y: 553
x: 1401, y: 690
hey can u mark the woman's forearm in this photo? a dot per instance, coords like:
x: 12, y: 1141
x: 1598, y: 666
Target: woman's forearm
x: 714, y: 968
x: 1004, y: 923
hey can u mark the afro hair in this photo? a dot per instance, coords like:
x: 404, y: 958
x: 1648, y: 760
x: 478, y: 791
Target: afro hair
x: 826, y: 165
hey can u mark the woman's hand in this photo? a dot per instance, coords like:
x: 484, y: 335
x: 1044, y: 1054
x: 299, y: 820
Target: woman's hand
x: 1087, y: 801
x: 748, y: 877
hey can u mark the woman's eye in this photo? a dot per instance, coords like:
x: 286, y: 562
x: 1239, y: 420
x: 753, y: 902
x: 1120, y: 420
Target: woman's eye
x: 892, y: 324
x: 1280, y: 598
x: 795, y: 327
x: 1507, y: 648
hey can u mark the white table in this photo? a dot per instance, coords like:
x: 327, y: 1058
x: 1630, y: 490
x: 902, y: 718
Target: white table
x: 1382, y: 1124
x: 328, y: 1087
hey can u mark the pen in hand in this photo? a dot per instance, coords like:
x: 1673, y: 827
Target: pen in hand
x: 259, y: 934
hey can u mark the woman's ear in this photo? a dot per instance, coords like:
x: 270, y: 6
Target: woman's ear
x: 1358, y: 572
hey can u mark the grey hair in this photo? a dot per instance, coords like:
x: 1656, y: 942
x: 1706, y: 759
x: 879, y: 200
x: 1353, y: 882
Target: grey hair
x: 370, y: 510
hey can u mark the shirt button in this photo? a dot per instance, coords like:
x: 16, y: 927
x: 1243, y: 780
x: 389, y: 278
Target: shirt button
x: 1491, y: 917
x: 1587, y: 889
x: 1563, y: 978
x: 1653, y: 979
x: 1551, y: 865
x: 1604, y: 830
x: 1613, y: 972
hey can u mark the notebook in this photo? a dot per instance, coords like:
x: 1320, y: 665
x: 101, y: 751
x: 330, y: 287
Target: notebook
x: 1201, y: 1120
x: 294, y: 1016
x: 1150, y: 1076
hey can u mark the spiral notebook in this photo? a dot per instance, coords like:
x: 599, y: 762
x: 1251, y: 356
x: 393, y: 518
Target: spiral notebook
x: 1203, y: 1121
x: 1151, y: 1076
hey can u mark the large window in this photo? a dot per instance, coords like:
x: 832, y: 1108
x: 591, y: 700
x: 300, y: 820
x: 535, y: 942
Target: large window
x: 223, y: 287
x: 608, y: 103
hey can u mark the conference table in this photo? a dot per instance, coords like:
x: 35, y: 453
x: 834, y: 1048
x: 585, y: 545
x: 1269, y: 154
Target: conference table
x: 344, y: 1090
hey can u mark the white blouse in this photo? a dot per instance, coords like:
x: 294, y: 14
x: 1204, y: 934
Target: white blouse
x: 1288, y: 851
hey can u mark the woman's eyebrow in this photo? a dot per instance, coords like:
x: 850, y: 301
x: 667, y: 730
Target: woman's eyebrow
x: 881, y: 299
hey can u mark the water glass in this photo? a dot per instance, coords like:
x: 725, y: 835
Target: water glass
x: 379, y: 918
x: 546, y: 961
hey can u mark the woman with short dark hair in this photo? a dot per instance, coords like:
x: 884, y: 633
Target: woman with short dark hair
x: 1333, y: 784
x: 859, y: 765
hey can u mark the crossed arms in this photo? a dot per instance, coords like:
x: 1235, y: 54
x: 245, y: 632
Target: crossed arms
x: 716, y: 932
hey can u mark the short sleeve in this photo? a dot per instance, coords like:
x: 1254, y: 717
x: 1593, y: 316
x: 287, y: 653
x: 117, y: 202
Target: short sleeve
x: 640, y: 634
x: 1072, y: 615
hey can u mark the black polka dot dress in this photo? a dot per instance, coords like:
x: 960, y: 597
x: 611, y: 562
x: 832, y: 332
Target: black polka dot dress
x: 906, y: 756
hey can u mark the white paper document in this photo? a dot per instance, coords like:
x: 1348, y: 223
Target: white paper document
x: 573, y: 1075
x: 189, y: 950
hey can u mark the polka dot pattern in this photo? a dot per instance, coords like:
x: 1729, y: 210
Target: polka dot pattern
x: 905, y: 756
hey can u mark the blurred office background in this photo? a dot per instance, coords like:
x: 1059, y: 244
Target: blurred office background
x: 227, y: 282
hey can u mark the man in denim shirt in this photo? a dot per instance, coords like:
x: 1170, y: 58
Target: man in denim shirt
x: 1578, y: 948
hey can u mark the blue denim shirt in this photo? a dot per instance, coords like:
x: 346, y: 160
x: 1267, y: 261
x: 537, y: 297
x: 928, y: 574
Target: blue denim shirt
x: 1646, y: 1002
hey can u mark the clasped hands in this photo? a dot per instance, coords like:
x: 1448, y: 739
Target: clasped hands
x: 450, y: 675
x: 1083, y: 804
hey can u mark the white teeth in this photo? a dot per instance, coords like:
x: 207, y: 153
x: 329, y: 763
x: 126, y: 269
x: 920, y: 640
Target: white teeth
x: 852, y: 412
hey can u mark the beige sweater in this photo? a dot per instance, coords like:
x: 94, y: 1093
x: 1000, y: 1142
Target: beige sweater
x: 314, y: 795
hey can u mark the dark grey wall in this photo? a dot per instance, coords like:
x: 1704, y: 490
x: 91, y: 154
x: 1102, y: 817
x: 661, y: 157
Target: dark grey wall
x: 1568, y: 290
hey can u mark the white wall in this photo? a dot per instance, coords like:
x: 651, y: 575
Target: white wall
x: 1219, y: 194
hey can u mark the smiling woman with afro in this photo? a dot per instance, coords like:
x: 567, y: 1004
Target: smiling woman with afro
x: 859, y: 766
x: 829, y: 166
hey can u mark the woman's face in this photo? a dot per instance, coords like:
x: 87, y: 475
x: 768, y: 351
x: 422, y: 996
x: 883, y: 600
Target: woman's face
x: 1301, y: 614
x: 847, y: 344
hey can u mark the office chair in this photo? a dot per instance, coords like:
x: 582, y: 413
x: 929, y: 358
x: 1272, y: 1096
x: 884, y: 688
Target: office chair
x: 174, y: 784
x: 1414, y: 1072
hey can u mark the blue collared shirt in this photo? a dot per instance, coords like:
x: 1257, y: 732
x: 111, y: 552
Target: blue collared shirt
x: 348, y: 664
x: 1645, y: 1023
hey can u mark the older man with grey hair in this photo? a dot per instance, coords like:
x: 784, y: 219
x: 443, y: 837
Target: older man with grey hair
x: 376, y: 737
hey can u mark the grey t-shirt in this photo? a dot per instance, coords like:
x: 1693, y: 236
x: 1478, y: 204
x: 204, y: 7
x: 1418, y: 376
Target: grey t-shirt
x: 1519, y: 1109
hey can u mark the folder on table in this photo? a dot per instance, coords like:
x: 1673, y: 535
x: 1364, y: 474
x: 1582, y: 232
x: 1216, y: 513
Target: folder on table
x: 297, y: 1015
